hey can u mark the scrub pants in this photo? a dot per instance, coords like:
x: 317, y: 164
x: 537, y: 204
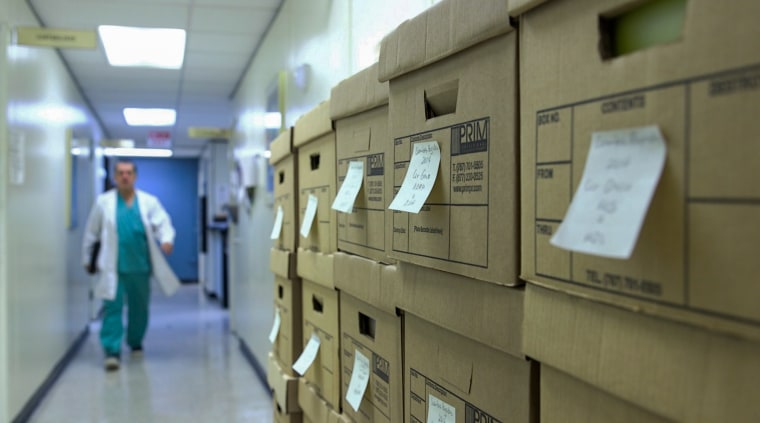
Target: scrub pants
x: 136, y: 288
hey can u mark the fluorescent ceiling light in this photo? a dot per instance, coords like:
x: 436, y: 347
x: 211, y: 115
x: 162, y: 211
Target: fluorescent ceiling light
x: 147, y: 47
x: 136, y: 152
x: 149, y: 117
x: 273, y: 120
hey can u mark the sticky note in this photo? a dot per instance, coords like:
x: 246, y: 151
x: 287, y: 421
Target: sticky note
x: 608, y: 209
x: 420, y: 178
x: 277, y: 228
x: 308, y: 355
x: 308, y: 216
x: 439, y: 411
x: 359, y: 380
x: 275, y: 327
x: 344, y: 201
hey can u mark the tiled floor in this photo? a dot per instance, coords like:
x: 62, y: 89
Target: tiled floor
x: 192, y: 371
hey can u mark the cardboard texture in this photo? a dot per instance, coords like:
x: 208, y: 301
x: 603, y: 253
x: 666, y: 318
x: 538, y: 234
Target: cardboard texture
x: 282, y: 263
x: 696, y: 255
x: 315, y: 140
x: 674, y: 370
x: 369, y: 281
x: 287, y: 301
x: 480, y: 383
x: 518, y: 7
x: 466, y: 101
x: 285, y: 387
x: 316, y: 267
x: 377, y: 335
x: 322, y: 315
x: 315, y: 409
x: 359, y: 108
x: 488, y: 313
x: 280, y: 416
x: 565, y: 399
x: 285, y: 162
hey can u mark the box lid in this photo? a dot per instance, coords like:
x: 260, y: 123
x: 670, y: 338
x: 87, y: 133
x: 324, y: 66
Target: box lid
x: 444, y: 29
x: 316, y: 267
x: 280, y: 262
x: 282, y: 146
x: 285, y: 387
x: 312, y: 124
x: 358, y: 93
x: 674, y: 370
x: 518, y: 7
x: 369, y: 281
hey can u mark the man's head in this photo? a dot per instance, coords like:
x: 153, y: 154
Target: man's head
x: 126, y: 174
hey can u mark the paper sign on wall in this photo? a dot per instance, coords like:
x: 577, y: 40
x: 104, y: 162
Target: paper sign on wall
x: 308, y: 216
x: 308, y: 355
x: 277, y: 228
x: 440, y: 412
x: 608, y: 209
x: 419, y: 179
x: 359, y: 380
x: 275, y: 327
x: 344, y: 201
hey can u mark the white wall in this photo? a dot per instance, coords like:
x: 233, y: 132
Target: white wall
x: 43, y: 298
x: 334, y: 38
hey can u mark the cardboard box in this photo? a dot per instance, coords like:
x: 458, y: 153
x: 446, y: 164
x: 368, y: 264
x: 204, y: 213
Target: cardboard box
x: 359, y: 109
x: 282, y: 263
x: 321, y: 315
x: 695, y: 259
x: 315, y: 140
x: 287, y: 301
x: 285, y: 163
x: 376, y: 334
x: 671, y: 369
x: 284, y: 386
x: 490, y: 314
x: 376, y: 284
x: 446, y: 370
x: 453, y: 79
x: 315, y: 409
x: 316, y: 267
x: 565, y: 399
x: 280, y: 416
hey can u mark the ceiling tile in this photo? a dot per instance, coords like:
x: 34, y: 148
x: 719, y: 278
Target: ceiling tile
x: 230, y: 20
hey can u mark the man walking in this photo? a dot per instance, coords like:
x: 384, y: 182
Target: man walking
x: 128, y: 223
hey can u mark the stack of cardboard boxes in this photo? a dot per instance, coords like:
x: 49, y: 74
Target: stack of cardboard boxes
x: 426, y: 316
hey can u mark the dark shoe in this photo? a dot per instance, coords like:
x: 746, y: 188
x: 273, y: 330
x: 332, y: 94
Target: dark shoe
x: 111, y: 363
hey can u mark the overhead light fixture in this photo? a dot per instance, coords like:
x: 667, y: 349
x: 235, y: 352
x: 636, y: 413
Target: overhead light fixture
x: 146, y: 47
x: 149, y: 117
x: 137, y: 152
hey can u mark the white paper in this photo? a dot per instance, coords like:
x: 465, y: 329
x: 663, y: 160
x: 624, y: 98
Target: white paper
x: 308, y: 355
x: 277, y: 228
x: 359, y: 380
x: 440, y: 412
x: 308, y: 216
x: 275, y: 327
x: 419, y: 179
x: 344, y: 201
x: 17, y: 158
x: 622, y: 171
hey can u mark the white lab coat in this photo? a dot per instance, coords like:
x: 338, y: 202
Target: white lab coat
x: 101, y: 225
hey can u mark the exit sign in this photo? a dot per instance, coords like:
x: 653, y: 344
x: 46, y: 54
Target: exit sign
x: 159, y: 139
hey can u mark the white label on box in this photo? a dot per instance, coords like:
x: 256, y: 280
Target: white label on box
x: 344, y: 201
x: 359, y: 380
x: 608, y: 209
x: 420, y: 178
x: 17, y: 158
x: 277, y: 228
x: 308, y: 216
x: 275, y: 327
x: 308, y: 355
x: 440, y: 412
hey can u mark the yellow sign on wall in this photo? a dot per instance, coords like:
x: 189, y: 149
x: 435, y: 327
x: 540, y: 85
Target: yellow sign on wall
x: 59, y: 38
x: 209, y: 133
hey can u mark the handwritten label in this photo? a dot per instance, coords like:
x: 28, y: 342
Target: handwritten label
x: 359, y: 380
x: 608, y: 209
x: 308, y: 216
x: 275, y: 327
x: 440, y: 412
x: 277, y: 228
x: 419, y: 179
x: 344, y: 201
x: 308, y: 355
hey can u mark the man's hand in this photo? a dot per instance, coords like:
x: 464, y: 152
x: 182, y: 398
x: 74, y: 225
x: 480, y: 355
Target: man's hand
x: 167, y: 248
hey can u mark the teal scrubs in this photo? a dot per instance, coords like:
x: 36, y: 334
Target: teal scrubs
x: 133, y: 264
